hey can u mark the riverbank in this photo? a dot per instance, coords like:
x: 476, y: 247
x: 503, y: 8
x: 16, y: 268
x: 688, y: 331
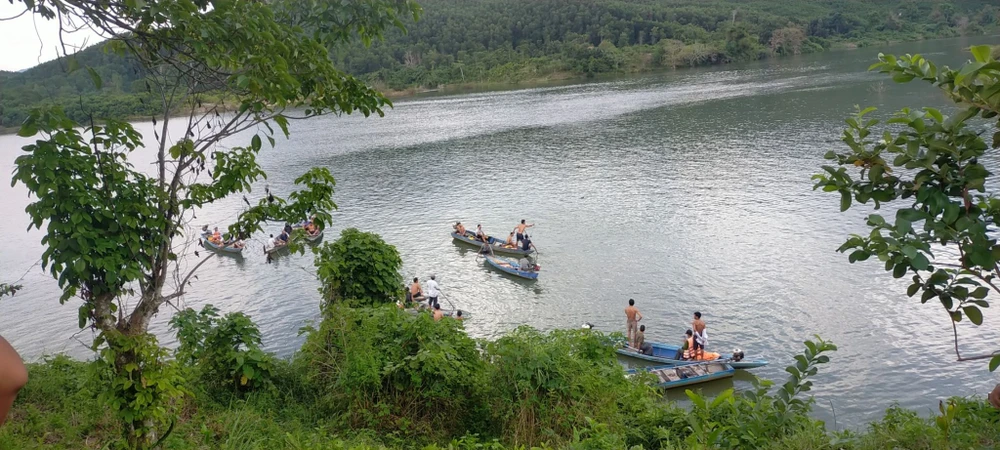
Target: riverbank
x: 59, y: 409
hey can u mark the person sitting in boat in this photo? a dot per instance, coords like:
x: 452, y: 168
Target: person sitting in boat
x: 416, y: 293
x: 686, y: 351
x: 288, y: 228
x: 481, y: 235
x: 237, y: 243
x: 459, y: 228
x: 526, y: 243
x: 216, y: 237
x: 640, y: 342
x: 511, y: 241
x: 282, y: 238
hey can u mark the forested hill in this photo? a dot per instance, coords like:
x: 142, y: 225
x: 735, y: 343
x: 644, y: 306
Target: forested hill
x: 475, y: 41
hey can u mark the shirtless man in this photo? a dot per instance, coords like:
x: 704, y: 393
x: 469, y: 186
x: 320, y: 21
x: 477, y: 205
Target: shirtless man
x: 700, y: 337
x: 632, y: 318
x: 415, y: 290
x: 438, y: 314
x: 459, y: 228
x: 13, y: 377
x: 520, y: 230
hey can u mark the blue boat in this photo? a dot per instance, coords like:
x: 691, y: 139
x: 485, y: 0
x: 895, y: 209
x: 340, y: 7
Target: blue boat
x: 497, y: 244
x: 666, y: 354
x: 687, y: 374
x: 513, y: 267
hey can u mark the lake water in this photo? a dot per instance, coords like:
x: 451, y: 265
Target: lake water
x: 686, y: 191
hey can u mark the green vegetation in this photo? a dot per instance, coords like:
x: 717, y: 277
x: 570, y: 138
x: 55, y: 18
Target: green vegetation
x: 429, y: 386
x: 508, y: 41
x: 359, y: 268
x: 113, y: 233
x: 936, y: 180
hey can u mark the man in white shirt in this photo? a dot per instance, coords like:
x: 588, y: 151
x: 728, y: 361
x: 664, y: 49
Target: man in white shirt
x: 432, y: 292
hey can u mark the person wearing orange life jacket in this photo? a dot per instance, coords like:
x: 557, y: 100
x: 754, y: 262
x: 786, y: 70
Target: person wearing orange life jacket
x: 686, y: 352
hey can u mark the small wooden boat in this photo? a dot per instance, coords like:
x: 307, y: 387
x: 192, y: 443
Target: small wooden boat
x: 513, y: 267
x: 687, y: 374
x: 220, y: 248
x: 309, y: 237
x: 666, y: 354
x: 276, y: 249
x: 497, y: 244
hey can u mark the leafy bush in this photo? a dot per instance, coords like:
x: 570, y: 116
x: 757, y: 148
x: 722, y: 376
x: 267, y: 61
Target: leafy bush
x: 546, y: 386
x: 388, y: 370
x: 225, y: 352
x: 360, y: 268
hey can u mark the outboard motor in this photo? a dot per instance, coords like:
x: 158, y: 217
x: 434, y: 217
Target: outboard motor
x: 737, y: 355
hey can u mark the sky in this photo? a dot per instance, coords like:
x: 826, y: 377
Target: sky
x: 31, y: 40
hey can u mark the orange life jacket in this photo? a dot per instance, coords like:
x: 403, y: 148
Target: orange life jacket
x: 689, y: 353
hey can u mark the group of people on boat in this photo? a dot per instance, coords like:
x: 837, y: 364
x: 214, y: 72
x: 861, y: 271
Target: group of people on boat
x: 695, y: 338
x: 518, y: 238
x: 309, y: 226
x: 215, y: 237
x: 415, y: 294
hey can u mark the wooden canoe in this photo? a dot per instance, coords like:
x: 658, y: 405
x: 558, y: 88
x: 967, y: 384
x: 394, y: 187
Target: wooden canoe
x: 510, y: 266
x: 220, y: 248
x: 497, y: 244
x: 679, y: 375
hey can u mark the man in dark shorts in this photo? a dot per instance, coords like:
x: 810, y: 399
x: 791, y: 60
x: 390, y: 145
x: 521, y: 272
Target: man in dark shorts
x: 700, y: 336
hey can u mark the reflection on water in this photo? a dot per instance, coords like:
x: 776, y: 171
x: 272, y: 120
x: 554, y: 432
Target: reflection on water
x: 685, y: 191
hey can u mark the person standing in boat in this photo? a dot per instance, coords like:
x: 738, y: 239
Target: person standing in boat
x: 432, y: 292
x: 700, y: 336
x: 632, y: 318
x: 520, y: 230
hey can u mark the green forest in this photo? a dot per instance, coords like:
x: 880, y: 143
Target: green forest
x: 510, y: 41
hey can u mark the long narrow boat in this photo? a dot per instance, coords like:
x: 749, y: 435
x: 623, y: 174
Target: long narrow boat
x: 666, y: 354
x: 220, y: 248
x: 511, y: 266
x: 687, y: 374
x: 497, y: 244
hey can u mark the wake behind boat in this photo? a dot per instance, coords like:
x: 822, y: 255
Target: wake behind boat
x: 667, y: 354
x: 687, y: 374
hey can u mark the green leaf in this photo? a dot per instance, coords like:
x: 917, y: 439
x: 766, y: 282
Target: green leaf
x: 94, y: 77
x: 876, y: 219
x: 909, y: 251
x: 845, y: 200
x: 982, y: 53
x: 974, y: 314
x: 920, y: 262
x: 980, y: 292
x: 935, y: 114
x: 910, y: 291
x: 994, y: 363
x: 255, y: 142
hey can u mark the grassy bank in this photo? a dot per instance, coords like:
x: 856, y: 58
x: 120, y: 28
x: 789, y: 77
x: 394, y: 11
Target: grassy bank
x: 382, y: 378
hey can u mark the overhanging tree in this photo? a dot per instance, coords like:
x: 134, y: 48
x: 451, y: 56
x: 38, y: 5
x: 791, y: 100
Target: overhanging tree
x: 115, y: 235
x: 927, y: 164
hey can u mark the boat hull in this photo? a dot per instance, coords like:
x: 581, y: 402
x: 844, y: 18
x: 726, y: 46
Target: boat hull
x: 664, y: 354
x: 218, y: 248
x: 510, y: 267
x: 680, y: 375
x: 494, y: 242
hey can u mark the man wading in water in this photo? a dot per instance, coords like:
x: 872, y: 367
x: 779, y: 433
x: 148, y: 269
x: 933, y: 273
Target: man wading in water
x: 632, y: 318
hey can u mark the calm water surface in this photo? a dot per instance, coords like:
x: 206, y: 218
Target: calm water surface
x: 686, y: 191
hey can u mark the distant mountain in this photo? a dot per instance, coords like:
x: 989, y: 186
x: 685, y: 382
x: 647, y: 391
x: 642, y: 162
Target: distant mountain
x: 468, y: 41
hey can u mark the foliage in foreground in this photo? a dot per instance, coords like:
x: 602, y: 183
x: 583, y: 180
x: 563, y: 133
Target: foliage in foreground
x: 936, y: 184
x: 359, y: 268
x: 59, y: 409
